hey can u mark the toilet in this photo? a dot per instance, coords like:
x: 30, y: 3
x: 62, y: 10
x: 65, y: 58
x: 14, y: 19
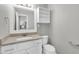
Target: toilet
x: 47, y: 48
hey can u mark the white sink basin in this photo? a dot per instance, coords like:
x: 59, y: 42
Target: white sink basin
x: 24, y: 38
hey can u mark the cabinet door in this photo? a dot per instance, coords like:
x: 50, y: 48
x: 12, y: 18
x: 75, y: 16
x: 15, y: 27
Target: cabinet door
x: 35, y: 50
x: 30, y: 47
x: 43, y: 15
x: 9, y: 49
x: 4, y: 21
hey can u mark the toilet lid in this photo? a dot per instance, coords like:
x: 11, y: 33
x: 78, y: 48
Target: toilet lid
x: 49, y: 47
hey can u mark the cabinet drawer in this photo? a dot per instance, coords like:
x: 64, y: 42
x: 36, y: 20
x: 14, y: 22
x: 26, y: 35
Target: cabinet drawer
x: 8, y: 49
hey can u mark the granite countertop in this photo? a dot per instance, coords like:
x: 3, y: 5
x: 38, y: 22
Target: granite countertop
x: 11, y: 40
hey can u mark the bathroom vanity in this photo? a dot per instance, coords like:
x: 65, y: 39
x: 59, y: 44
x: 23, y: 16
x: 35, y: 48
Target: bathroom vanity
x: 21, y: 45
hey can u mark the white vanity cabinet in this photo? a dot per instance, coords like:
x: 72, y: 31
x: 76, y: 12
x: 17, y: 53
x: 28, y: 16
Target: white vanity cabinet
x: 28, y: 47
x: 16, y: 19
x: 8, y: 49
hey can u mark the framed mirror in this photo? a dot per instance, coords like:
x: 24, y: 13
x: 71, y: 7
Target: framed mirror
x: 21, y: 21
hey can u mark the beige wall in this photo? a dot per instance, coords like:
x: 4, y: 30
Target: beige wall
x: 64, y: 27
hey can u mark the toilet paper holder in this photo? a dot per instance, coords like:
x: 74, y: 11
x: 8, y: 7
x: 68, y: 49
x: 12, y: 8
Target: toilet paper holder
x: 74, y: 43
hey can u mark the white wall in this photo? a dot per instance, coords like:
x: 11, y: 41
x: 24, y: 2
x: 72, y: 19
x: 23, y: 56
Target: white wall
x: 4, y: 12
x: 64, y: 27
x: 43, y: 29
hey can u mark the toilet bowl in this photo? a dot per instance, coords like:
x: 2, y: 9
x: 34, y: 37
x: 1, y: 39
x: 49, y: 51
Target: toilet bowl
x: 47, y: 48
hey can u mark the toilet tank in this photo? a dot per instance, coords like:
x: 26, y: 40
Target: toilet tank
x: 44, y: 39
